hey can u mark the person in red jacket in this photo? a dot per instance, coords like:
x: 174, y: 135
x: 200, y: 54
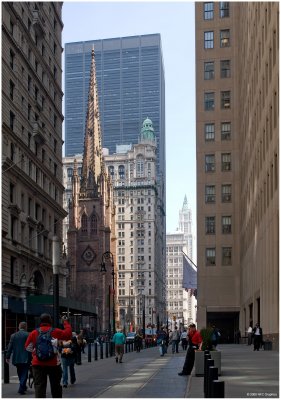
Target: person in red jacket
x: 194, y: 341
x: 52, y: 368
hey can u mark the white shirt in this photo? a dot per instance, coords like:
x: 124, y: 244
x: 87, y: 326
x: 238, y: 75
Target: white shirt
x: 250, y: 329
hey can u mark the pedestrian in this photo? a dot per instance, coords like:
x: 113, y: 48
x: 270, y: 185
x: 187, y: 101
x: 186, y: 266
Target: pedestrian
x: 43, y: 343
x: 21, y: 358
x: 163, y: 342
x: 68, y: 350
x: 194, y: 341
x: 138, y: 342
x: 250, y: 333
x: 183, y: 339
x: 257, y: 335
x: 175, y: 338
x: 215, y: 336
x: 119, y: 339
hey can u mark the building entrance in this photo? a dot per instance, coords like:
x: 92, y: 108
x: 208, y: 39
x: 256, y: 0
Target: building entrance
x: 226, y: 322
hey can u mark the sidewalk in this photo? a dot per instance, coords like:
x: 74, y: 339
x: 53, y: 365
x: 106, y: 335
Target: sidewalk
x: 246, y: 373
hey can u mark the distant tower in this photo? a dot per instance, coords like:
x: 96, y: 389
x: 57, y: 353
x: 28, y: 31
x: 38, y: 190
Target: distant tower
x: 91, y: 215
x: 185, y: 226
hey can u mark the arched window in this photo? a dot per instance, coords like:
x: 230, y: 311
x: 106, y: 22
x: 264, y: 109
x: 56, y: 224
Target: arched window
x: 94, y: 224
x: 121, y: 171
x: 84, y: 223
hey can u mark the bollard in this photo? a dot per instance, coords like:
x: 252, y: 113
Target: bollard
x: 111, y: 348
x: 206, y: 357
x: 101, y: 350
x: 210, y: 363
x: 106, y: 349
x: 96, y: 351
x: 212, y: 376
x: 89, y: 352
x: 126, y: 347
x: 6, y: 369
x: 217, y: 389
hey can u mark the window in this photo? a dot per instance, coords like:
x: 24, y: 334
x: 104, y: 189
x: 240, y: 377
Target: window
x: 209, y: 70
x: 209, y: 163
x: 84, y: 223
x: 210, y: 225
x: 226, y: 224
x: 12, y: 152
x: 209, y: 10
x: 224, y: 9
x: 12, y: 58
x: 211, y: 256
x: 225, y: 100
x: 225, y: 38
x: 209, y: 101
x: 209, y: 40
x: 13, y: 269
x: 226, y: 256
x: 226, y: 193
x: 121, y: 172
x: 209, y: 132
x: 12, y: 27
x: 12, y: 193
x: 140, y: 167
x: 225, y: 131
x: 12, y: 120
x: 225, y: 68
x: 226, y: 161
x: 210, y: 194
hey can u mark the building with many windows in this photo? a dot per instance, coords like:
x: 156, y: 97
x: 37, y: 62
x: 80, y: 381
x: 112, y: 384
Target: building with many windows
x: 32, y: 189
x: 140, y: 233
x: 237, y: 71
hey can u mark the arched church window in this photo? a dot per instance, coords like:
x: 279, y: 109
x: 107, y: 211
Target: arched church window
x: 94, y: 224
x: 84, y: 223
x: 121, y: 171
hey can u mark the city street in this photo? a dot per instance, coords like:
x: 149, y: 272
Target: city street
x: 147, y: 375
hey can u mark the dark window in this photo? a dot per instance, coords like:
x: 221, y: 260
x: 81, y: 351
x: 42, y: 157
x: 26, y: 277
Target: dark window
x: 224, y: 9
x: 226, y: 193
x: 210, y: 225
x: 226, y: 161
x: 55, y: 169
x: 226, y: 224
x: 225, y: 68
x: 12, y: 150
x: 209, y: 10
x: 12, y: 58
x: 210, y: 194
x: 55, y: 145
x: 209, y: 40
x: 14, y: 222
x: 225, y: 100
x: 12, y: 193
x: 225, y: 131
x: 225, y: 38
x: 226, y: 256
x: 209, y: 101
x: 210, y: 163
x: 12, y: 27
x: 29, y: 83
x: 211, y: 256
x: 121, y: 172
x: 209, y: 132
x: 209, y: 70
x: 12, y: 120
x: 94, y: 224
x: 28, y: 112
x: 84, y: 223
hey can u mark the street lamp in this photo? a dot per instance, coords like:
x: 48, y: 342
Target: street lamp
x: 105, y: 257
x: 56, y: 267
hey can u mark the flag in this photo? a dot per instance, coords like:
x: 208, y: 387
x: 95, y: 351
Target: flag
x: 189, y: 274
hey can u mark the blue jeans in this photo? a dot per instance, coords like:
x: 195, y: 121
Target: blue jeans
x: 22, y: 370
x: 68, y: 362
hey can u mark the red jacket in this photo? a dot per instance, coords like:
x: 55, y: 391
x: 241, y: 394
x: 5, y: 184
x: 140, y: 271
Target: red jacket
x: 59, y: 334
x: 195, y: 337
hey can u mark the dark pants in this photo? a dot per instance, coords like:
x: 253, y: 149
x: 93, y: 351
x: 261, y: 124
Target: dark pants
x: 189, y: 360
x: 249, y: 339
x: 22, y: 370
x: 184, y: 343
x: 175, y: 346
x: 40, y: 380
x: 257, y: 342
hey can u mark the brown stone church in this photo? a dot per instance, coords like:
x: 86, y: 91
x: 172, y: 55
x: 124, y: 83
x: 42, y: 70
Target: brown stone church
x: 92, y: 219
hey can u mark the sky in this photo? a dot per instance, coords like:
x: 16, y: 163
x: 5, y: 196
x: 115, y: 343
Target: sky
x: 175, y: 21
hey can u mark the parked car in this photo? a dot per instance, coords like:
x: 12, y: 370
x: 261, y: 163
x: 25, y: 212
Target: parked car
x: 130, y: 338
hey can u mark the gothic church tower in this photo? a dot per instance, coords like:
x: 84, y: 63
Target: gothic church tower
x: 91, y: 216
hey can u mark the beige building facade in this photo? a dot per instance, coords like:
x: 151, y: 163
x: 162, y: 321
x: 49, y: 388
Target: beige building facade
x: 237, y: 55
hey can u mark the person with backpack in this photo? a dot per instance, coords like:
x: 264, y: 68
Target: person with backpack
x: 43, y: 343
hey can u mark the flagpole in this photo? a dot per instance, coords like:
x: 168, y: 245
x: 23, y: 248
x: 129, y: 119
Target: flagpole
x: 189, y: 259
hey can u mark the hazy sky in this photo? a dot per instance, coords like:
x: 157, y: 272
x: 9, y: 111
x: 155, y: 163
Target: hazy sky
x: 175, y: 22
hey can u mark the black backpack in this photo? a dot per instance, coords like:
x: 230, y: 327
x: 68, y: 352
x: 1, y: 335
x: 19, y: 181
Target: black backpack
x: 44, y: 348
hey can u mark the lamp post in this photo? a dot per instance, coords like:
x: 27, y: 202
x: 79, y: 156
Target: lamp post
x: 105, y: 257
x: 143, y: 315
x: 56, y: 265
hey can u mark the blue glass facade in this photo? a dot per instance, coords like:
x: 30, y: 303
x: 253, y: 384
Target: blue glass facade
x: 131, y: 87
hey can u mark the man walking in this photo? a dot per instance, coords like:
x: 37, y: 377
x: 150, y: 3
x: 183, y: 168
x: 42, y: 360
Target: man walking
x: 21, y: 358
x: 175, y: 338
x: 194, y: 341
x: 44, y: 363
x: 257, y: 332
x: 119, y: 339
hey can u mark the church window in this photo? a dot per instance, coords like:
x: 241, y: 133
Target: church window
x: 94, y: 224
x: 84, y: 223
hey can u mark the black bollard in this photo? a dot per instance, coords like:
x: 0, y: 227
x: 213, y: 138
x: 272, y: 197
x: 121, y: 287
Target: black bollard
x: 126, y: 347
x: 101, y: 350
x: 96, y: 351
x: 106, y: 349
x: 6, y: 369
x: 217, y: 389
x: 210, y: 363
x: 89, y: 352
x: 206, y: 357
x: 212, y: 376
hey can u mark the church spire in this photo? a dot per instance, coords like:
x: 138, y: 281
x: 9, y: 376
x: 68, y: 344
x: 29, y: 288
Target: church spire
x: 185, y: 204
x: 92, y: 158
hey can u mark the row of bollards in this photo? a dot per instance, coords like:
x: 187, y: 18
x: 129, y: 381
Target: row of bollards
x: 213, y: 388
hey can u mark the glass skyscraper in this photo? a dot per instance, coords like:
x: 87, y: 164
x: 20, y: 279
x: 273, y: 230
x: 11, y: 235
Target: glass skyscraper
x: 131, y: 87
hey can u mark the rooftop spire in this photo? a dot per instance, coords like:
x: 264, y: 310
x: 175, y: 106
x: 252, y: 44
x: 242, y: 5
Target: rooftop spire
x: 185, y: 204
x: 147, y: 131
x: 92, y: 158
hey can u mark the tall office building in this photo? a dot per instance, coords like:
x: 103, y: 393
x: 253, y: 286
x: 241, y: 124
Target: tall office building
x: 131, y: 86
x: 32, y: 187
x: 237, y: 90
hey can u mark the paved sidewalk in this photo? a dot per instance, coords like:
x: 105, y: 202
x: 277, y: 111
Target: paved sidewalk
x: 246, y: 373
